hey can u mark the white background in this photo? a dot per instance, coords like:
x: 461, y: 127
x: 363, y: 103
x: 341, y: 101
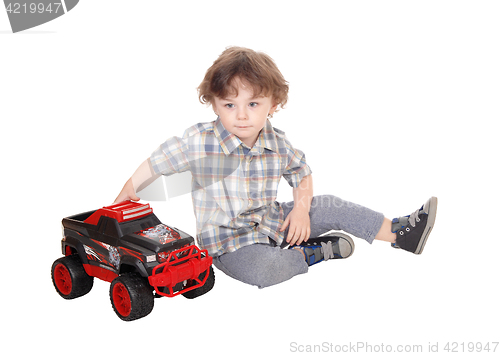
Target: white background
x: 392, y: 102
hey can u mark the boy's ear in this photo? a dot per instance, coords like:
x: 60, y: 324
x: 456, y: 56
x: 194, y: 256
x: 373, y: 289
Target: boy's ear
x: 273, y: 108
x: 212, y: 103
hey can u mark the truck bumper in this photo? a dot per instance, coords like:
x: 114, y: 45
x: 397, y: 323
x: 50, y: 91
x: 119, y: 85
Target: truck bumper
x: 183, y: 265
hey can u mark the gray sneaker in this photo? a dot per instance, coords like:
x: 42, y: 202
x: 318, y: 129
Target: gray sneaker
x: 334, y: 245
x: 414, y: 229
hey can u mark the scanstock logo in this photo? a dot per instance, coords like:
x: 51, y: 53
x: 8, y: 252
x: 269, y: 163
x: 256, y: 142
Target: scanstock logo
x: 27, y: 14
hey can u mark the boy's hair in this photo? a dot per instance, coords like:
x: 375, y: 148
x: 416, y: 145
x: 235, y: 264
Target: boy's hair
x: 254, y: 68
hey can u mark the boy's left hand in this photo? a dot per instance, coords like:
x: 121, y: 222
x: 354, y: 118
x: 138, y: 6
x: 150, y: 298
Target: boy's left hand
x: 299, y: 226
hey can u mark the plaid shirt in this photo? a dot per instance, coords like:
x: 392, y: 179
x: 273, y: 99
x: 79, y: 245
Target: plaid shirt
x: 234, y: 188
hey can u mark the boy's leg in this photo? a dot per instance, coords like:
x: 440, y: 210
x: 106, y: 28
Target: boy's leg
x: 332, y: 213
x: 385, y: 233
x: 261, y: 265
x: 408, y: 232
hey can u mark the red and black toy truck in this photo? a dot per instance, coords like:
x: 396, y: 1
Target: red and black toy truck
x: 127, y: 245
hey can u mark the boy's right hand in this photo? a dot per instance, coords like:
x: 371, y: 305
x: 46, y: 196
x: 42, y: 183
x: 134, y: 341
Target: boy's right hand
x: 127, y: 193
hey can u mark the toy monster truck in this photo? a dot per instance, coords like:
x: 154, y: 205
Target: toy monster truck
x: 127, y: 245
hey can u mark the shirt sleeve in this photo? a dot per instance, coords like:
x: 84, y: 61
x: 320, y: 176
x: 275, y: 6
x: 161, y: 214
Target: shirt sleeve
x: 171, y: 157
x: 297, y: 167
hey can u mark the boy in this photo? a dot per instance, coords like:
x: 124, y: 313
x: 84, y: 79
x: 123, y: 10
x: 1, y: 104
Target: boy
x: 237, y: 162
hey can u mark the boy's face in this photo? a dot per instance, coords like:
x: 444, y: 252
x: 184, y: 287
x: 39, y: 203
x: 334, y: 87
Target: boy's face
x: 244, y: 115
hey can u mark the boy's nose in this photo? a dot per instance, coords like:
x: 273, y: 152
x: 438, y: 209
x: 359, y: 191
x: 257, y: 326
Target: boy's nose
x: 242, y: 114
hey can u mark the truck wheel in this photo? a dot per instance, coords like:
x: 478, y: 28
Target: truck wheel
x: 131, y: 296
x: 69, y: 277
x: 209, y: 283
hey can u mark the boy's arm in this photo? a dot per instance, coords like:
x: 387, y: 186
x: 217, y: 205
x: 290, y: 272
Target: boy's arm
x: 143, y: 176
x: 298, y: 223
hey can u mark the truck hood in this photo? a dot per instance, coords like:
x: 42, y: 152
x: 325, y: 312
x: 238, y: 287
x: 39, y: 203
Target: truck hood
x: 159, y: 238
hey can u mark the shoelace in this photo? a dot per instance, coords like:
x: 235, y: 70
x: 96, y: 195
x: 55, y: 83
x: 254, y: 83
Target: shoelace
x: 413, y: 218
x: 327, y: 249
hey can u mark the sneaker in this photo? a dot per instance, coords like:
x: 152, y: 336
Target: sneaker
x: 414, y: 229
x: 333, y: 245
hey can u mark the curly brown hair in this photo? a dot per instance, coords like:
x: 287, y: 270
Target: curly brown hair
x: 251, y: 67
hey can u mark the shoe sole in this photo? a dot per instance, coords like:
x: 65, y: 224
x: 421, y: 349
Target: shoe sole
x: 431, y: 207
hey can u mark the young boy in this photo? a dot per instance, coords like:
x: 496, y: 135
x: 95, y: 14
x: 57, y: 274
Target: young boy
x: 237, y: 162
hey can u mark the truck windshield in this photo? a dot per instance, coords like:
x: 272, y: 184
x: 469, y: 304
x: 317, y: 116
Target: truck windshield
x: 140, y: 224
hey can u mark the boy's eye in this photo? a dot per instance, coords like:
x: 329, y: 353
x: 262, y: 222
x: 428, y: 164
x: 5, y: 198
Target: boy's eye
x: 253, y: 104
x: 230, y: 106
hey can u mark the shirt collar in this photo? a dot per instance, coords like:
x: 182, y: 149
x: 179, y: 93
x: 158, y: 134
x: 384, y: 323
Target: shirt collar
x: 267, y: 139
x: 229, y: 142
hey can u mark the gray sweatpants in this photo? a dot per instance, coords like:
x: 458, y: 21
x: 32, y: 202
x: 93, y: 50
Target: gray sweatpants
x: 264, y: 265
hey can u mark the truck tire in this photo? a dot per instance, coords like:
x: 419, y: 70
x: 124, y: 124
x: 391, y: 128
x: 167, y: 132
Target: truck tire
x: 69, y: 277
x: 131, y: 296
x: 209, y: 284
